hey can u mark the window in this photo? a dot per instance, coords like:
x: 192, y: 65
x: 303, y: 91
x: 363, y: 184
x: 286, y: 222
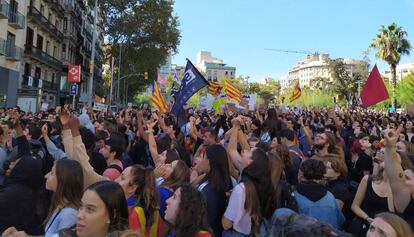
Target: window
x: 42, y: 9
x: 231, y: 73
x: 65, y: 24
x: 50, y: 17
x: 39, y: 44
x: 226, y: 73
x: 55, y: 52
x: 47, y: 46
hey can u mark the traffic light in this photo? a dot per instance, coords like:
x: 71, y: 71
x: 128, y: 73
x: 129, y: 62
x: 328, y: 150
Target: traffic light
x: 146, y: 75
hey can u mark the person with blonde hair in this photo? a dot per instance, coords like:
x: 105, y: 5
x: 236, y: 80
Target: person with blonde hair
x: 390, y: 225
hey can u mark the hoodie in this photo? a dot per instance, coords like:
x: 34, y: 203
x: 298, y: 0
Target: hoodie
x: 312, y: 190
x: 19, y: 193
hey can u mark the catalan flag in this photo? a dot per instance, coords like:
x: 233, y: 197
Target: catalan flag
x: 232, y: 92
x: 296, y: 93
x: 157, y: 100
x: 214, y: 88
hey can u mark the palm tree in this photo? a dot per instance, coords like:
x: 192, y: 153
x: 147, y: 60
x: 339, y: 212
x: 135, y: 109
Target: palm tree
x: 391, y: 43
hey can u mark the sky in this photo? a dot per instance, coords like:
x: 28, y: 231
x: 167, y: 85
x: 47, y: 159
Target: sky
x: 239, y: 31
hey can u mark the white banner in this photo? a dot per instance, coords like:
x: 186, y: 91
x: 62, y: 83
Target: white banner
x: 248, y: 100
x: 100, y: 107
x: 206, y: 102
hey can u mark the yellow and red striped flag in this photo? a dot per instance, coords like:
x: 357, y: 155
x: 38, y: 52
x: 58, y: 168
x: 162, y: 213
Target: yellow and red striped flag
x: 214, y: 88
x: 157, y: 100
x: 232, y: 92
x: 296, y: 93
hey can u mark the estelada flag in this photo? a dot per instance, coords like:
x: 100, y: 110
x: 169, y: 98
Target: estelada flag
x: 374, y: 90
x: 232, y: 92
x: 157, y: 100
x: 214, y: 88
x: 296, y: 93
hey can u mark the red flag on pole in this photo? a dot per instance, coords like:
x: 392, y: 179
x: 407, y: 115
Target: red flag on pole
x: 374, y: 90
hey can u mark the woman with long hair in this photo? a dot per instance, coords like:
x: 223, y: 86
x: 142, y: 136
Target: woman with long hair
x: 336, y: 173
x: 372, y: 197
x: 186, y: 212
x: 65, y: 180
x: 271, y: 124
x: 174, y: 174
x: 249, y: 199
x: 215, y: 184
x: 140, y: 191
x: 390, y: 225
x: 103, y: 213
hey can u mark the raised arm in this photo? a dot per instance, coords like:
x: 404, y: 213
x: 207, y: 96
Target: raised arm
x: 55, y: 152
x: 152, y: 144
x: 401, y: 194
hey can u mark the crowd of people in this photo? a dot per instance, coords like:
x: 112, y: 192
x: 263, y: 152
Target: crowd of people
x: 275, y: 172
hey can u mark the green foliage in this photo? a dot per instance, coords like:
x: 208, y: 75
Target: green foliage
x: 391, y: 43
x: 405, y: 90
x: 147, y: 31
x: 142, y: 98
x: 317, y: 98
x: 265, y: 92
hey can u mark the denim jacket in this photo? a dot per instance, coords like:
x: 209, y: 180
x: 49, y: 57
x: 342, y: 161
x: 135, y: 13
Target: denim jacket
x: 325, y: 210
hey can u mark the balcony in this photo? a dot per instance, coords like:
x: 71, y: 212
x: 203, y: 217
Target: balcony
x: 69, y: 34
x: 58, y: 6
x: 16, y: 20
x: 43, y: 22
x: 46, y: 85
x: 42, y: 56
x: 87, y: 31
x: 4, y: 9
x: 13, y: 52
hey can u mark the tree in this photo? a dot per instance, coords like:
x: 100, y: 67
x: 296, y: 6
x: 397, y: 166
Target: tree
x: 391, y: 43
x: 267, y: 91
x: 346, y: 79
x: 405, y: 89
x: 146, y: 32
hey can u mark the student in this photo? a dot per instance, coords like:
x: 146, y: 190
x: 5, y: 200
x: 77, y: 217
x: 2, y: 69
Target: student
x: 103, y: 213
x: 140, y: 191
x: 19, y: 194
x: 65, y: 180
x: 186, y: 212
x: 174, y: 174
x: 372, y: 197
x: 312, y: 196
x: 112, y: 151
x: 389, y: 225
x: 215, y: 185
x: 249, y: 199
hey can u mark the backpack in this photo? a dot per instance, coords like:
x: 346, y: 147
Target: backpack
x: 117, y: 167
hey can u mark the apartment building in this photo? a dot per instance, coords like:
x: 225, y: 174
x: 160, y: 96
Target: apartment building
x: 12, y: 34
x: 213, y: 68
x: 43, y: 38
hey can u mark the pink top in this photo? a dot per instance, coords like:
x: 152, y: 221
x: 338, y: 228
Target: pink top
x: 112, y: 173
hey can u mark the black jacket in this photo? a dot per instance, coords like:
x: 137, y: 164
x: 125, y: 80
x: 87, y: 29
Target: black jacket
x: 18, y: 195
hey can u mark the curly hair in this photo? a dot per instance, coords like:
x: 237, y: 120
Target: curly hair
x: 313, y: 169
x: 192, y: 212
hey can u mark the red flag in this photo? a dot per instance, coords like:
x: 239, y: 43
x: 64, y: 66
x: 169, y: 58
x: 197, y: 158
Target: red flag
x: 374, y: 90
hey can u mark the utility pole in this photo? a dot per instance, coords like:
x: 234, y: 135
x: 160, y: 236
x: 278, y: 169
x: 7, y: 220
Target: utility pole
x: 90, y: 87
x: 112, y: 81
x: 119, y: 73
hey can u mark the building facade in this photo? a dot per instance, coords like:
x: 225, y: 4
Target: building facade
x: 12, y: 40
x: 48, y: 36
x: 402, y: 70
x: 311, y: 67
x: 213, y: 68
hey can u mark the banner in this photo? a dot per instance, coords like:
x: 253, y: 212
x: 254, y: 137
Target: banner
x: 100, y: 107
x: 206, y: 102
x: 192, y: 82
